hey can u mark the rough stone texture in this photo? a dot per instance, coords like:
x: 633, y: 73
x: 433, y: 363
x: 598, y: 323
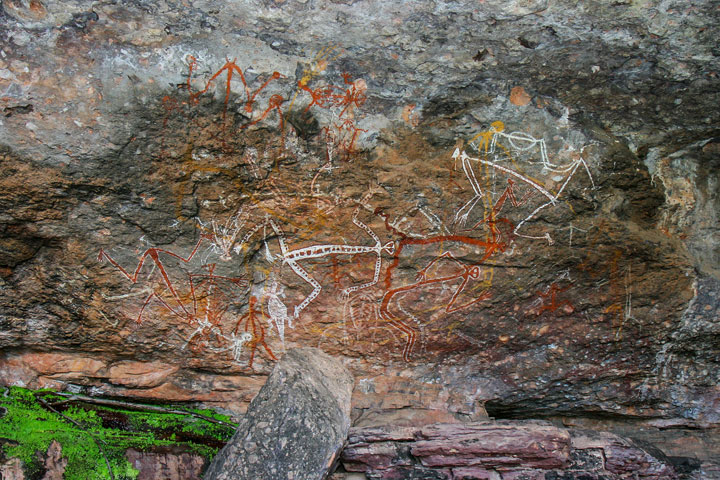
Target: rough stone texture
x: 68, y: 370
x: 706, y: 471
x: 54, y: 463
x: 474, y: 473
x: 295, y: 427
x: 519, y: 450
x: 12, y: 469
x: 123, y: 132
x: 674, y: 441
x: 493, y: 445
x: 166, y: 465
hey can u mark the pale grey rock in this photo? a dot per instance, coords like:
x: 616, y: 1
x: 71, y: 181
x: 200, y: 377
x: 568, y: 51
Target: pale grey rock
x: 295, y: 427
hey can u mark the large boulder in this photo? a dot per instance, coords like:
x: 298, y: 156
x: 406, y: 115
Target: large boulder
x: 296, y: 425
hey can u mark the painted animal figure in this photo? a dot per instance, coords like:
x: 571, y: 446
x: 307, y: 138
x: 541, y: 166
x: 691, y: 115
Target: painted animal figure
x: 465, y: 273
x: 486, y: 144
x: 552, y: 198
x: 292, y: 258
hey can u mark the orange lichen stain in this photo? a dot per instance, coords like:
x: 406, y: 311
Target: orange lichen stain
x: 519, y: 97
x: 410, y: 116
x: 147, y: 200
x: 318, y: 65
x: 37, y: 8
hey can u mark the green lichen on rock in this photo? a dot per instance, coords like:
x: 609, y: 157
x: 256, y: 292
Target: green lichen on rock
x: 27, y: 427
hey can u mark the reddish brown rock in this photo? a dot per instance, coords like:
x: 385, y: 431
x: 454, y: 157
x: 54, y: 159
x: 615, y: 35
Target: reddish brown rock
x: 507, y: 450
x: 633, y: 461
x: 623, y: 457
x: 141, y: 380
x: 474, y: 473
x: 66, y: 366
x: 54, y: 463
x: 375, y: 456
x: 168, y: 465
x: 403, y: 400
x: 12, y: 469
x: 378, y: 448
x: 408, y: 417
x: 140, y: 374
x: 493, y: 444
x: 529, y: 475
x: 382, y: 434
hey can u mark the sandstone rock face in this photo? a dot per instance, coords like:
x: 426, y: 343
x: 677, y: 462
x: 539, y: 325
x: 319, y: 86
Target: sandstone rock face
x: 491, y: 445
x: 498, y: 450
x: 295, y: 427
x: 505, y: 206
x: 166, y: 465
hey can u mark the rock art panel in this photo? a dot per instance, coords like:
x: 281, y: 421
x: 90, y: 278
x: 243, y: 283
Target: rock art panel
x: 207, y: 297
x: 494, y: 217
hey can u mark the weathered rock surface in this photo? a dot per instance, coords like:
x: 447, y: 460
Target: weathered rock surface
x: 295, y: 427
x: 54, y: 463
x: 143, y: 380
x: 157, y: 465
x: 499, y: 450
x: 12, y: 469
x: 188, y: 189
x: 492, y: 445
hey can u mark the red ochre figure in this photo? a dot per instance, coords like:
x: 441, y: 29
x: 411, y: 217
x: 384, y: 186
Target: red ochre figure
x: 153, y: 254
x: 230, y: 68
x: 551, y: 294
x: 253, y: 325
x: 466, y: 273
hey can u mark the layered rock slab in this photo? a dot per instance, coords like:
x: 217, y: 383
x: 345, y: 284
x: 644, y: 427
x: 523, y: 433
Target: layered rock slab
x: 499, y: 450
x: 296, y: 426
x: 167, y: 465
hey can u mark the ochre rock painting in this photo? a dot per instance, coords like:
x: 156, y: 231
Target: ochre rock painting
x: 301, y: 237
x: 501, y: 256
x: 505, y: 208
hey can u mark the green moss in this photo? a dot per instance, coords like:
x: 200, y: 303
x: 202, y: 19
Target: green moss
x: 30, y: 428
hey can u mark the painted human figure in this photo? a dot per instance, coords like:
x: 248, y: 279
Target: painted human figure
x: 278, y: 310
